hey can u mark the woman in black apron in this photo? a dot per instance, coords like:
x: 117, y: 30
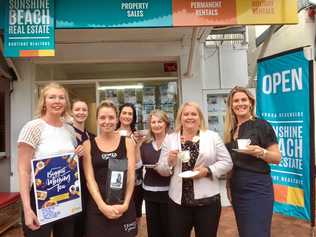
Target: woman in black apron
x: 102, y: 218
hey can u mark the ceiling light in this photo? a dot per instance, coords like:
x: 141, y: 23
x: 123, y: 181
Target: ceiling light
x: 121, y: 87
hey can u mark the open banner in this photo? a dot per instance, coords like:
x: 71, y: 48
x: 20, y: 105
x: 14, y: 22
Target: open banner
x: 56, y: 182
x: 285, y: 100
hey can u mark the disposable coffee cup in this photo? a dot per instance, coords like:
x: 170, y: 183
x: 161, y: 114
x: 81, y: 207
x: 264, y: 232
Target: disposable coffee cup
x: 243, y: 143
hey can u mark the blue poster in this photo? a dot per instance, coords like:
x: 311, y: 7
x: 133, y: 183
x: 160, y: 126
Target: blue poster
x: 56, y: 183
x: 283, y: 99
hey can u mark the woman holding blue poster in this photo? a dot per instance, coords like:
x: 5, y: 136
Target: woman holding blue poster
x: 45, y: 136
x: 110, y: 211
x: 253, y: 145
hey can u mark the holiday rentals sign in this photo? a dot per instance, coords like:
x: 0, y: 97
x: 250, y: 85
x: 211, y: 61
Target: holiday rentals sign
x: 29, y: 28
x: 284, y: 99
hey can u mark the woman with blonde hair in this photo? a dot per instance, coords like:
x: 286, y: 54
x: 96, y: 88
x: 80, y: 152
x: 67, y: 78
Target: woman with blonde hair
x: 48, y: 135
x: 104, y: 217
x: 249, y: 185
x: 195, y: 158
x: 155, y: 186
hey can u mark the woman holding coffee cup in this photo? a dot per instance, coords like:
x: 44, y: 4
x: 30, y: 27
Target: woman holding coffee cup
x: 253, y: 145
x: 195, y: 158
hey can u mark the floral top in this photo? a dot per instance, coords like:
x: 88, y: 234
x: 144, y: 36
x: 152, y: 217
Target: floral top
x: 187, y: 184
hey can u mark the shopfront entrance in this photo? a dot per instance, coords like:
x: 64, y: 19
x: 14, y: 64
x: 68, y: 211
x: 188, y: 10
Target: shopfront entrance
x: 148, y: 86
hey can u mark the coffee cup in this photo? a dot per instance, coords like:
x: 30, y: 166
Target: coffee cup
x: 243, y: 143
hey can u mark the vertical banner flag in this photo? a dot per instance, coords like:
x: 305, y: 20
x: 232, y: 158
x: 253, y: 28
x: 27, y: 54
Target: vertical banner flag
x: 56, y: 182
x: 29, y: 28
x: 283, y: 99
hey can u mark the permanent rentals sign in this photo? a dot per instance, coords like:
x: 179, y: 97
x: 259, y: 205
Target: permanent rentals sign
x: 285, y: 99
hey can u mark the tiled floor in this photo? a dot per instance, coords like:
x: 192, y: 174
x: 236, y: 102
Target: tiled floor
x: 281, y: 227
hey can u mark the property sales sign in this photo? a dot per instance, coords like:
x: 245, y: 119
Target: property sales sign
x: 29, y: 28
x: 283, y: 99
x: 56, y: 182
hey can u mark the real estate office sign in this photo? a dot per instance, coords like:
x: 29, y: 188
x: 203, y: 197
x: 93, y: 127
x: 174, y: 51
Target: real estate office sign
x: 29, y: 24
x: 29, y: 28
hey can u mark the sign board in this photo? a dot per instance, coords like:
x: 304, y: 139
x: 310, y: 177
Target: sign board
x: 284, y: 93
x: 29, y: 28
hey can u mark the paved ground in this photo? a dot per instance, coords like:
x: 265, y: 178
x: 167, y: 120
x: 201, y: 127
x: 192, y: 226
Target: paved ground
x: 281, y: 227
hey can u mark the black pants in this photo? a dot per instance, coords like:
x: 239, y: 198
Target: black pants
x: 60, y: 228
x: 204, y: 219
x: 138, y: 197
x: 157, y: 219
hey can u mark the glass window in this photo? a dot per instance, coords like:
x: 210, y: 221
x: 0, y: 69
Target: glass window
x: 146, y: 96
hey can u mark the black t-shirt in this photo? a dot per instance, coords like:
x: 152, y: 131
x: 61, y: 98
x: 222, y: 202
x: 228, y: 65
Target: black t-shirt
x: 261, y: 133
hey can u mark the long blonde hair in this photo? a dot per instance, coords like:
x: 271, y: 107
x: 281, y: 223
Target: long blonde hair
x: 41, y: 107
x: 161, y: 115
x: 178, y: 125
x: 230, y: 117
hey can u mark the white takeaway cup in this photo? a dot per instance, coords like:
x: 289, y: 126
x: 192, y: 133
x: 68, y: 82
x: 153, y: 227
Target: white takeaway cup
x: 243, y: 143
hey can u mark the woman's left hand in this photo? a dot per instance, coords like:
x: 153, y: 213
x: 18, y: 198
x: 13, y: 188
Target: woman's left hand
x: 79, y: 150
x: 203, y: 172
x: 253, y: 150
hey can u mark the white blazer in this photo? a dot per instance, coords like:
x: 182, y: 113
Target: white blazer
x: 212, y: 153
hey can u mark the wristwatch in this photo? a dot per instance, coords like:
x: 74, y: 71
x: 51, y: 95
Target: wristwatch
x: 209, y: 172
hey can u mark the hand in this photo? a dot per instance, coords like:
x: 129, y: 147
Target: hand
x: 138, y: 137
x: 31, y: 220
x: 79, y: 150
x: 253, y: 150
x: 173, y: 157
x: 109, y: 211
x: 203, y: 172
x: 121, y: 208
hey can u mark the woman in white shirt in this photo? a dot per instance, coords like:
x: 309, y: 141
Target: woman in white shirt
x: 194, y: 199
x: 47, y: 135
